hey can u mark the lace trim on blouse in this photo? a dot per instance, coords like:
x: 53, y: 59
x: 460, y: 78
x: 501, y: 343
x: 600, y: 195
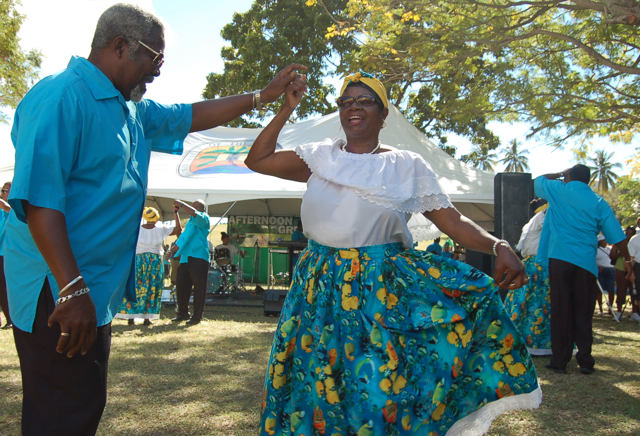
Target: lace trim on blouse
x: 398, y: 179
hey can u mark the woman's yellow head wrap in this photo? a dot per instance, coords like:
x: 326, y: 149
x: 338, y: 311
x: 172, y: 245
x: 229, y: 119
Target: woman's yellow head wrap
x: 541, y: 208
x: 150, y: 214
x: 368, y: 80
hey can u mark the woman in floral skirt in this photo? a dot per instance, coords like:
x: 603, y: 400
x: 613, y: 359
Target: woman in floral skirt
x: 375, y: 338
x: 149, y: 268
x: 530, y: 306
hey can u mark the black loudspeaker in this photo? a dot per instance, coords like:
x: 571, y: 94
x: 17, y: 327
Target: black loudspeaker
x: 273, y: 301
x: 512, y: 193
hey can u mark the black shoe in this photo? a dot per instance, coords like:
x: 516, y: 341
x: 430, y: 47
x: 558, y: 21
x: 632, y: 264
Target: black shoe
x: 180, y: 319
x: 147, y: 322
x: 193, y: 321
x: 131, y: 322
x: 587, y: 370
x: 554, y: 369
x: 7, y: 326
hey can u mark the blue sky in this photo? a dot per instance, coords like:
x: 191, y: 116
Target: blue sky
x: 61, y: 28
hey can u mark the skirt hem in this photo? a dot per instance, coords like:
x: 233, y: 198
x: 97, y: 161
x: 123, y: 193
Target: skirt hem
x: 479, y: 422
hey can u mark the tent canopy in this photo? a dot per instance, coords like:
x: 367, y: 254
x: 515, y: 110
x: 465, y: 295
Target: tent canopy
x: 212, y: 168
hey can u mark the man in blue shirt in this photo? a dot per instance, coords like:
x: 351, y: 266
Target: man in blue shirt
x: 435, y: 248
x: 193, y: 249
x: 83, y: 140
x: 568, y: 243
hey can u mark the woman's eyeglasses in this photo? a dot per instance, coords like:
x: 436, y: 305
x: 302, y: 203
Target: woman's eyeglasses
x: 158, y: 60
x: 363, y: 101
x: 4, y: 191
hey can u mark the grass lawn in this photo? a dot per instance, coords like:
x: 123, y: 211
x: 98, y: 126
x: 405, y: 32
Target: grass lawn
x: 207, y: 380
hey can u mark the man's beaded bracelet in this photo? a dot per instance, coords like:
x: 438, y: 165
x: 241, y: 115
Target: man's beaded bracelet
x: 500, y: 242
x: 70, y: 296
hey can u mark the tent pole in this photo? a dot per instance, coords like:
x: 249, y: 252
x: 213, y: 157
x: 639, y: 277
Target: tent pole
x: 223, y: 215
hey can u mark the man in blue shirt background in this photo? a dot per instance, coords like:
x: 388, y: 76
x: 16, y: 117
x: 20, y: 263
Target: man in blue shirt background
x: 83, y: 140
x: 193, y: 249
x: 568, y: 243
x: 435, y: 248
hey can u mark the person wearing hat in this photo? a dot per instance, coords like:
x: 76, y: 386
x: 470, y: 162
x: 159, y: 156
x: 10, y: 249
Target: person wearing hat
x: 606, y: 272
x: 375, y: 337
x: 149, y: 268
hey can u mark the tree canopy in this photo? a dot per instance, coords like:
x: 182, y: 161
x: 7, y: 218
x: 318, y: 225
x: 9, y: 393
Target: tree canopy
x: 268, y: 37
x: 18, y: 70
x: 274, y: 33
x: 623, y: 199
x: 567, y: 67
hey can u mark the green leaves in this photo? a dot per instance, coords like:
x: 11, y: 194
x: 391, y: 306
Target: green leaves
x: 18, y: 70
x: 567, y: 68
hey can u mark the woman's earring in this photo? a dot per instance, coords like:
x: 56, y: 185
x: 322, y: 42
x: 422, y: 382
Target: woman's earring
x: 384, y: 124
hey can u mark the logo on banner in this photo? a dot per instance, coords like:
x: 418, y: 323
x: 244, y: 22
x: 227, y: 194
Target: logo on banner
x: 223, y: 157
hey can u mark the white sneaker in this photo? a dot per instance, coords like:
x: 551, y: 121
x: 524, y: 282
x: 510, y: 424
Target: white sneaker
x: 635, y: 317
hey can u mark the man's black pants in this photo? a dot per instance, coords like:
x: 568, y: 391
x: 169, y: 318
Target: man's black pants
x: 61, y: 396
x: 573, y: 299
x: 192, y: 275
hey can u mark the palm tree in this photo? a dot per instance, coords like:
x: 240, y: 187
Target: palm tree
x: 514, y: 159
x: 602, y: 174
x: 481, y: 158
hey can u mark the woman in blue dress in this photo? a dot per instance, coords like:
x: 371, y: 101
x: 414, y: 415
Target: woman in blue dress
x: 376, y: 338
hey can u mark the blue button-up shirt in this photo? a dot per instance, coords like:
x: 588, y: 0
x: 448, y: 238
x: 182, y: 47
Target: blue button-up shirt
x: 574, y: 218
x: 3, y: 228
x: 193, y: 240
x: 82, y: 150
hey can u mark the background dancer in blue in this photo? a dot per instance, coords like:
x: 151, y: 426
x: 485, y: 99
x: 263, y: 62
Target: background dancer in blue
x: 568, y: 244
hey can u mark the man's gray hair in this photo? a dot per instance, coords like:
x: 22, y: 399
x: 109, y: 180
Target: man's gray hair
x: 125, y: 20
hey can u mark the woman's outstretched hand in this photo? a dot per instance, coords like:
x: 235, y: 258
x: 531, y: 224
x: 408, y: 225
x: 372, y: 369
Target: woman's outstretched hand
x: 280, y: 83
x: 294, y: 92
x: 508, y: 263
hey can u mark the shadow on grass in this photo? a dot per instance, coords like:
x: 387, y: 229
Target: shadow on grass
x: 208, y: 378
x: 606, y: 402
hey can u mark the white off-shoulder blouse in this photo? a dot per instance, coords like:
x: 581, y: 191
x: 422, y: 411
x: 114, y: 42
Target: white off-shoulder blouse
x: 358, y: 200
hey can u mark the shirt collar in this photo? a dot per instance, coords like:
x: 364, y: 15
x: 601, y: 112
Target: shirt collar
x: 100, y: 86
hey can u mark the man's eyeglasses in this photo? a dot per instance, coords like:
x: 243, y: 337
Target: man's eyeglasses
x: 158, y: 60
x: 363, y: 100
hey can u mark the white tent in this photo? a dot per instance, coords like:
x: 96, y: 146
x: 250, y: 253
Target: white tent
x: 212, y: 168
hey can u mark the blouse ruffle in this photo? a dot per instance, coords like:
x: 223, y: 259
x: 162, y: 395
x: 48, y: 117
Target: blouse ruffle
x: 399, y: 179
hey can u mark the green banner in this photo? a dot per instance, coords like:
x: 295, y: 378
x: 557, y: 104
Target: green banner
x: 246, y: 230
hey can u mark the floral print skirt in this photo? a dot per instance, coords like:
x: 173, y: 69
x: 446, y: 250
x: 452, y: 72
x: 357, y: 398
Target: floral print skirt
x: 149, y: 286
x: 530, y: 308
x: 385, y: 341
